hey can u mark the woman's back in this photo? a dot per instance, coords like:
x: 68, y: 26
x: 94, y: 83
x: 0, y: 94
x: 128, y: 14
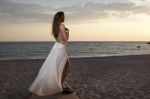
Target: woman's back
x: 62, y: 33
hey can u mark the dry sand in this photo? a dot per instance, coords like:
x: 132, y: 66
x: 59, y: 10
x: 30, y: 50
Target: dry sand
x: 119, y: 77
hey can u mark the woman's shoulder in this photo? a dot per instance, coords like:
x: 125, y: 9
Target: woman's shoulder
x: 62, y: 24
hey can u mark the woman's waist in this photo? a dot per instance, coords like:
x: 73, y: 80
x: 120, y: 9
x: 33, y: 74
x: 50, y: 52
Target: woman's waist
x: 61, y: 43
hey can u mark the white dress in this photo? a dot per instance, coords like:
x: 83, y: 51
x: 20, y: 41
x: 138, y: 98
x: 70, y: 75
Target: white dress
x: 48, y: 80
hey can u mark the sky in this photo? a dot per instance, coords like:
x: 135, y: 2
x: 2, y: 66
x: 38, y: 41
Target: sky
x: 87, y: 20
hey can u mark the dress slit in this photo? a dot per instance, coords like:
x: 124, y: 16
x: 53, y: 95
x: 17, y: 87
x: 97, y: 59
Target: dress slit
x: 48, y: 80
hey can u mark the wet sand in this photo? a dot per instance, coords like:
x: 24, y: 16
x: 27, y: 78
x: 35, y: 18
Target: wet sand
x: 119, y: 77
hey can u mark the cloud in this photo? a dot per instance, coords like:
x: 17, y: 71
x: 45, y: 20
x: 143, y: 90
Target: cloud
x: 141, y: 2
x: 15, y: 12
x: 18, y: 12
x: 91, y: 11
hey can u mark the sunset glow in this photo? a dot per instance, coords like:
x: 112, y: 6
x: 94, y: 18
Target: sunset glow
x: 90, y: 20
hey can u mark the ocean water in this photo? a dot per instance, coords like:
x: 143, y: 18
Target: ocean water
x: 40, y: 50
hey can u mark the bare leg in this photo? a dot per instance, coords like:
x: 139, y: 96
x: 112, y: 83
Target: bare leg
x: 65, y: 72
x: 68, y: 89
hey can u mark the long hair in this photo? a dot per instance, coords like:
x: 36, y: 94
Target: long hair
x: 58, y: 18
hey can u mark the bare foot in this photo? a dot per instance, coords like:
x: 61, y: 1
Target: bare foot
x: 67, y: 90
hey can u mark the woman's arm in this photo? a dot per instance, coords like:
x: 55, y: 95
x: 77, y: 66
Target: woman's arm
x: 63, y: 31
x: 67, y: 33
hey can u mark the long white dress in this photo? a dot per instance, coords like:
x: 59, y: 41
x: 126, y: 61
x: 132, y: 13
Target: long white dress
x: 48, y: 80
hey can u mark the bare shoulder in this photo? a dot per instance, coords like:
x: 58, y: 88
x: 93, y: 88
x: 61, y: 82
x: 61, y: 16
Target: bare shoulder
x: 62, y: 25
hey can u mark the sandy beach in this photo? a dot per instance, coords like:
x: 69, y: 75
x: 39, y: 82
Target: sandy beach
x: 117, y: 77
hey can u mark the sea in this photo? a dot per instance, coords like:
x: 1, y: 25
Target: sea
x: 75, y: 49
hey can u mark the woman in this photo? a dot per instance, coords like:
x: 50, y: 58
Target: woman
x: 56, y: 66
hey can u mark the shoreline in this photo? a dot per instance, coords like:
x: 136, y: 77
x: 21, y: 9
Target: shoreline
x: 114, y: 77
x: 95, y: 57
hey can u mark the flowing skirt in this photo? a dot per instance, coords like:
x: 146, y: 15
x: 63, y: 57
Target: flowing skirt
x: 48, y: 80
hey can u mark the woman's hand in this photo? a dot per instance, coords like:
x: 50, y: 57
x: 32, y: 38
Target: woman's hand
x: 67, y: 30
